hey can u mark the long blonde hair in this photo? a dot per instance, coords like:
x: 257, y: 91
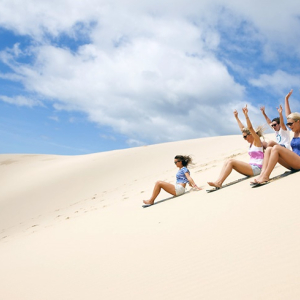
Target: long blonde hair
x: 259, y: 131
x: 295, y: 116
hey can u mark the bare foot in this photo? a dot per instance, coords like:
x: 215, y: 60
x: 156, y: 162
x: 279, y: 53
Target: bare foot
x: 254, y: 181
x: 148, y: 202
x: 262, y: 179
x: 215, y: 184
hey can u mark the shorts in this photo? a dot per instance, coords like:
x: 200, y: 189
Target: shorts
x: 256, y: 170
x: 179, y: 189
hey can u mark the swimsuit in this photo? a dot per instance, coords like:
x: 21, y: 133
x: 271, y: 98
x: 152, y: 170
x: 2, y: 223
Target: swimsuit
x: 256, y: 156
x: 295, y: 143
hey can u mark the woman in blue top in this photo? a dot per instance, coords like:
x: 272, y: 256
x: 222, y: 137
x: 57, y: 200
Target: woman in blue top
x: 287, y: 158
x: 182, y: 178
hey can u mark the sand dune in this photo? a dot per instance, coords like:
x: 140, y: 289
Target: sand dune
x: 73, y: 227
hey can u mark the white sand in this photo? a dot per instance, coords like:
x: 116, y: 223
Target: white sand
x: 74, y: 228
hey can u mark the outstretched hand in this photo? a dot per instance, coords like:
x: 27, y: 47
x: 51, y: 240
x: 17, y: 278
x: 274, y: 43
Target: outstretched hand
x: 280, y: 109
x: 197, y: 188
x: 289, y: 94
x: 235, y: 112
x: 262, y: 108
x: 245, y: 110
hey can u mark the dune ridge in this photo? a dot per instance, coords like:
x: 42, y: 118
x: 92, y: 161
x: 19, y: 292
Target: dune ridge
x: 73, y: 227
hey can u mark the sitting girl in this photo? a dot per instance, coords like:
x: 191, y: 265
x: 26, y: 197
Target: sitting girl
x: 256, y: 153
x: 182, y: 178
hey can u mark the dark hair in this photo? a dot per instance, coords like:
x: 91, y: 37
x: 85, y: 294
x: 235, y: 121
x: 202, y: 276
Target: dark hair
x: 277, y: 120
x: 185, y: 159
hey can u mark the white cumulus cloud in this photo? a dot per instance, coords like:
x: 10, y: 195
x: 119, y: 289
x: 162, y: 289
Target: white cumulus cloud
x: 150, y: 71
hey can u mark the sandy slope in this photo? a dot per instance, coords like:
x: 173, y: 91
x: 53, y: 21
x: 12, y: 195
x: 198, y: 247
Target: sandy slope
x: 74, y: 228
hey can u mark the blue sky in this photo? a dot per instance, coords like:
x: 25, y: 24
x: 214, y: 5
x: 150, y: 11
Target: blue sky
x: 79, y: 78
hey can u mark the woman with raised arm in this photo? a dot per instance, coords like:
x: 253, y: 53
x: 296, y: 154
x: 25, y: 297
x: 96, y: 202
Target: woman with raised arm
x: 277, y: 154
x: 182, y: 178
x: 256, y: 153
x: 287, y: 104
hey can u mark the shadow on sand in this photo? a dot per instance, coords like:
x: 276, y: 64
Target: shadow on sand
x: 163, y: 200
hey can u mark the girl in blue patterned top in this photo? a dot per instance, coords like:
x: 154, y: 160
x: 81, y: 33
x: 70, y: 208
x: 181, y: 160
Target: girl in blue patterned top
x: 182, y: 178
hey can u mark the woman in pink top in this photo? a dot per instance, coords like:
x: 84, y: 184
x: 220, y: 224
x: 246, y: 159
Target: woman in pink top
x: 256, y: 153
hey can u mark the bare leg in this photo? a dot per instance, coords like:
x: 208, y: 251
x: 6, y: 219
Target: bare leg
x: 265, y: 164
x: 286, y: 157
x: 239, y: 166
x: 168, y: 187
x: 271, y: 144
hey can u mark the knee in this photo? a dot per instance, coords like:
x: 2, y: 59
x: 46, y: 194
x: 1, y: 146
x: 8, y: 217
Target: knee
x: 276, y: 148
x: 268, y: 150
x: 158, y: 183
x: 230, y: 161
x: 271, y: 144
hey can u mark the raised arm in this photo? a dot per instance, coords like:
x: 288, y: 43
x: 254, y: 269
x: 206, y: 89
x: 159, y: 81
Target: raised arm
x: 282, y: 125
x: 236, y: 115
x: 265, y: 115
x: 257, y: 141
x: 287, y: 104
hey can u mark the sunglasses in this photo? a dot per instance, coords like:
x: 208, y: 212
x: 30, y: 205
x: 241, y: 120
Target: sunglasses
x: 274, y: 125
x: 245, y: 136
x: 289, y: 124
x: 175, y: 162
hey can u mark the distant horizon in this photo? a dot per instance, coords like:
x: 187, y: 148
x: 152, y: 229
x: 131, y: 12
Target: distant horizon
x: 268, y: 134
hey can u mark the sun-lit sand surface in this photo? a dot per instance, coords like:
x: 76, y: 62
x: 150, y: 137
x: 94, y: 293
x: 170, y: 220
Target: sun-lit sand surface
x: 73, y: 227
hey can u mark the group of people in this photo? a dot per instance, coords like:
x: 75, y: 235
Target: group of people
x: 263, y: 156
